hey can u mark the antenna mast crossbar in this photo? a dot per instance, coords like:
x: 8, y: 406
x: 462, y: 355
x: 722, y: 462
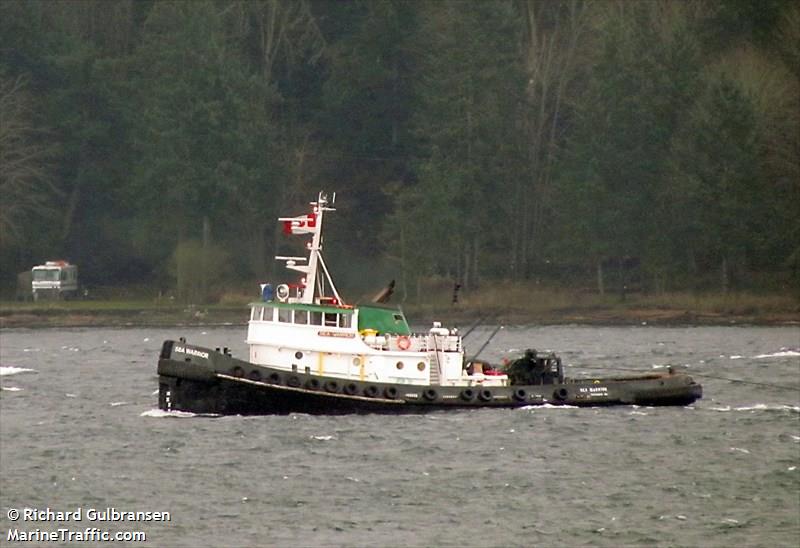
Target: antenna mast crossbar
x: 314, y: 292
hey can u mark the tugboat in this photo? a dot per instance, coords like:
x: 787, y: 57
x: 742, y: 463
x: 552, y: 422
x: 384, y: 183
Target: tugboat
x: 312, y: 352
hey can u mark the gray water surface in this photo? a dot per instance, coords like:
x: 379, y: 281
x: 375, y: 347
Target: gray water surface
x: 80, y: 428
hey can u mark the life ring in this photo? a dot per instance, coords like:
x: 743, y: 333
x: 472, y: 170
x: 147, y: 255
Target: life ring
x: 430, y: 394
x: 331, y: 386
x: 390, y: 392
x: 237, y: 372
x: 274, y: 378
x: 468, y: 394
x: 520, y: 394
x: 485, y: 395
x: 561, y: 394
x: 293, y: 381
x: 403, y: 342
x: 350, y: 389
x: 255, y: 375
x: 371, y: 391
x: 312, y: 384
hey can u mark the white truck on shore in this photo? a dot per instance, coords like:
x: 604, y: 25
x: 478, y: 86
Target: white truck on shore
x: 54, y: 280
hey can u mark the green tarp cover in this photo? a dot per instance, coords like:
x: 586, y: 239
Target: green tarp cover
x: 382, y: 320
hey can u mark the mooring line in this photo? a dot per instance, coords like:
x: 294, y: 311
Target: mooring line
x: 479, y: 321
x: 795, y: 388
x: 496, y: 330
x: 693, y: 374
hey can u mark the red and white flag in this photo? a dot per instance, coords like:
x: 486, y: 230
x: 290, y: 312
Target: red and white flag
x: 305, y: 224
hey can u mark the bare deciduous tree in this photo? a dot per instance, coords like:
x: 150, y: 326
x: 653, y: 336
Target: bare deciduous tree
x: 552, y: 33
x: 27, y: 191
x: 279, y: 29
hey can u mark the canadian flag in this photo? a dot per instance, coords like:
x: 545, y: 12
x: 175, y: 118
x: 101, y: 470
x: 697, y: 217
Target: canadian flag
x: 305, y: 224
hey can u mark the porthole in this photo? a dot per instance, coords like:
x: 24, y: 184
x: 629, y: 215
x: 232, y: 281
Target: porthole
x: 356, y: 361
x: 399, y: 365
x: 421, y: 366
x: 298, y: 355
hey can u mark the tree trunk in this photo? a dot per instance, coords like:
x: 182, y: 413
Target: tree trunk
x: 205, y: 259
x: 600, y: 284
x: 691, y: 266
x: 258, y: 252
x: 725, y: 274
x: 475, y: 279
x: 69, y: 215
x: 403, y: 270
x: 464, y: 266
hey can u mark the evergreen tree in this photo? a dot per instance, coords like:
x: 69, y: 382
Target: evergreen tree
x: 468, y: 92
x: 367, y: 103
x: 202, y: 132
x: 505, y: 138
x: 613, y: 184
x: 717, y: 163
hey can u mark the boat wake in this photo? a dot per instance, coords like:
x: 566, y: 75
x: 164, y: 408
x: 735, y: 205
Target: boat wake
x: 160, y: 414
x: 784, y: 353
x: 759, y: 407
x: 547, y: 406
x: 12, y: 370
x: 10, y: 388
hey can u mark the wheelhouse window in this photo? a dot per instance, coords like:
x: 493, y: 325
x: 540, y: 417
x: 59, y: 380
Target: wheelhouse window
x: 257, y: 313
x: 301, y: 317
x: 316, y: 318
x: 285, y: 315
x: 344, y: 320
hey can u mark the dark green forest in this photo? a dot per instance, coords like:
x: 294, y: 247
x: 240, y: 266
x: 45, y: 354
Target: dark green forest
x: 589, y: 144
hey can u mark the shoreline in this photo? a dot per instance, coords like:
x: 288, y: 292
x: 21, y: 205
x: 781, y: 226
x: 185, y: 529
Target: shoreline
x: 68, y: 317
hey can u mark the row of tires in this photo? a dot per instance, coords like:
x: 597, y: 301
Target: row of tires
x: 332, y: 386
x: 372, y: 391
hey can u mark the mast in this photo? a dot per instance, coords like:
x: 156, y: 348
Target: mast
x: 312, y: 287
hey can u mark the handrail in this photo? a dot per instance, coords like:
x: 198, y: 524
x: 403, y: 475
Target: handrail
x: 436, y: 354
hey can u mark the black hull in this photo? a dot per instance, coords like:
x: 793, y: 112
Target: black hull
x: 206, y: 381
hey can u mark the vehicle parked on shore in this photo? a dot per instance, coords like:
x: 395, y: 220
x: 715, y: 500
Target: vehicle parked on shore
x: 54, y: 280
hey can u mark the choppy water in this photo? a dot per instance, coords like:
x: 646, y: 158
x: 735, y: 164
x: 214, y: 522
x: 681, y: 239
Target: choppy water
x: 79, y: 428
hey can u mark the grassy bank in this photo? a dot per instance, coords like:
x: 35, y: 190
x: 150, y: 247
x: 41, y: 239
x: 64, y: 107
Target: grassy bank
x: 519, y: 304
x: 116, y: 313
x: 499, y: 303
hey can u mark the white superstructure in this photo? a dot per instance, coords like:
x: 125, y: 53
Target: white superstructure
x: 308, y: 328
